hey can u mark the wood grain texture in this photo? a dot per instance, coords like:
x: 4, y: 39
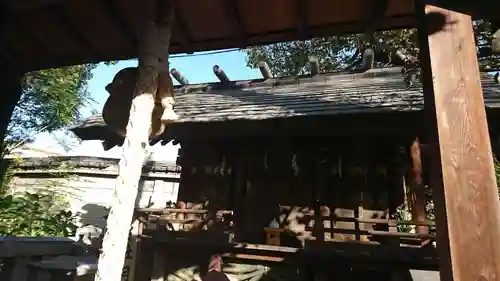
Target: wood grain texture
x: 466, y: 196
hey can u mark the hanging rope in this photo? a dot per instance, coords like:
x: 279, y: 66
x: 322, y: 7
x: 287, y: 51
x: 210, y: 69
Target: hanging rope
x: 153, y: 60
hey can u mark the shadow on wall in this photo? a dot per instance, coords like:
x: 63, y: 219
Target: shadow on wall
x: 96, y: 215
x: 93, y: 214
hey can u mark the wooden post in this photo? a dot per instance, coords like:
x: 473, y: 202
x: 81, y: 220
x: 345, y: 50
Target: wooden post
x: 240, y: 189
x: 417, y: 189
x: 153, y: 69
x: 158, y: 270
x: 463, y: 178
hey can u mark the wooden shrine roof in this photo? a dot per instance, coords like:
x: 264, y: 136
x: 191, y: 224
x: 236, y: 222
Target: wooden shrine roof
x: 37, y: 34
x: 375, y: 91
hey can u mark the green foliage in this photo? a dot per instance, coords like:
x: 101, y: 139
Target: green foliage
x: 8, y: 174
x: 497, y: 172
x: 51, y: 99
x: 42, y: 213
x: 35, y: 214
x: 396, y: 47
x: 290, y: 58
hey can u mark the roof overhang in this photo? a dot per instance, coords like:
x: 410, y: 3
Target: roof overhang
x: 37, y: 34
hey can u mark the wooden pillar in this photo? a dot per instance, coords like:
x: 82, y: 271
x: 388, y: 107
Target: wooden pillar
x: 416, y: 196
x: 462, y: 174
x: 239, y: 203
x: 158, y: 270
x: 320, y: 168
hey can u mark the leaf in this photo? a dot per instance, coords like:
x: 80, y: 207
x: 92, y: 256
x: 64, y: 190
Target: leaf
x: 51, y: 100
x: 334, y: 53
x: 21, y: 215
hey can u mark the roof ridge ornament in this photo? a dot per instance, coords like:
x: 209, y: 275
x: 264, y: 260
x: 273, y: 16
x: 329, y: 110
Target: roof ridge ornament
x: 179, y: 77
x: 265, y: 70
x: 410, y: 73
x: 221, y: 75
x: 313, y: 65
x: 495, y: 42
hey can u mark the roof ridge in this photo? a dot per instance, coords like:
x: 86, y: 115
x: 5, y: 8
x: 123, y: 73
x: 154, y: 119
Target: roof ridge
x: 288, y: 80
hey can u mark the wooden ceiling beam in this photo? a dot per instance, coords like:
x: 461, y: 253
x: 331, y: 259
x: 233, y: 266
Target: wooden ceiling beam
x: 61, y: 13
x: 111, y: 8
x: 374, y: 14
x: 18, y: 5
x: 183, y: 34
x: 33, y: 35
x: 6, y: 52
x: 302, y: 18
x: 234, y: 14
x: 8, y: 55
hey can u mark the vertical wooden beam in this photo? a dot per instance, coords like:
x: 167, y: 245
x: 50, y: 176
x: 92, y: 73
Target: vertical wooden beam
x: 182, y: 32
x: 320, y: 167
x: 302, y: 18
x: 131, y: 259
x: 463, y: 178
x: 240, y: 187
x: 158, y: 272
x: 238, y: 27
x: 416, y: 196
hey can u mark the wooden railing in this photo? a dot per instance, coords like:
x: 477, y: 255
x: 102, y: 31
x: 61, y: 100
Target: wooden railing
x: 38, y: 259
x: 192, y: 229
x: 185, y: 219
x: 197, y: 220
x: 323, y: 226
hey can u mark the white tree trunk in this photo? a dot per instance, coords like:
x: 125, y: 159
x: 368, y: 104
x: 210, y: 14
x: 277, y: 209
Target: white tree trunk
x: 153, y: 60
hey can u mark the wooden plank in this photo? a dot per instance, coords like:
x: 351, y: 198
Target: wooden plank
x: 171, y: 177
x: 374, y: 254
x: 374, y: 221
x: 135, y: 235
x: 253, y: 257
x: 463, y: 178
x: 158, y: 272
x: 179, y: 211
x: 34, y: 246
x: 424, y: 275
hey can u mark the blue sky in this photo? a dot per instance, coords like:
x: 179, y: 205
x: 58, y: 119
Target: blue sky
x: 196, y: 68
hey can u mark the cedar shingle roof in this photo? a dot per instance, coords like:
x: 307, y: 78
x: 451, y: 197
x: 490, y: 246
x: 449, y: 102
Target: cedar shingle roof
x: 377, y: 90
x: 374, y: 91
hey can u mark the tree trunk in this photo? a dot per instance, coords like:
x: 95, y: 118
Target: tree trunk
x: 153, y: 60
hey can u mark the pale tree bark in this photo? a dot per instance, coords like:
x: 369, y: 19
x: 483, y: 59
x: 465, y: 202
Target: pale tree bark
x: 153, y: 62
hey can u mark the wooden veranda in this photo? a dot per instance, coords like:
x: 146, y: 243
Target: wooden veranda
x: 37, y: 34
